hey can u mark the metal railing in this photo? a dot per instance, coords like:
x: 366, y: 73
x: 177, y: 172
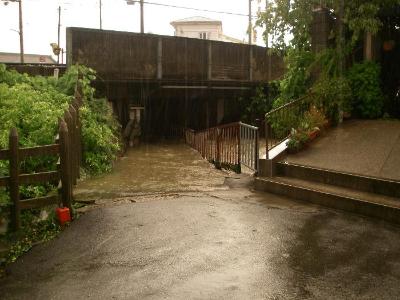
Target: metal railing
x: 227, y: 146
x: 249, y: 147
x: 280, y: 121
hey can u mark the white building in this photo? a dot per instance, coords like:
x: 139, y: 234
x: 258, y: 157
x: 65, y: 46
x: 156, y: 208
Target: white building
x: 201, y: 28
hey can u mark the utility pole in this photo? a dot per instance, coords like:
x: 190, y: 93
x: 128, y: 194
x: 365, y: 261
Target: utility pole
x: 21, y: 32
x: 266, y: 26
x: 132, y: 2
x: 21, y: 27
x: 101, y: 21
x: 58, y: 37
x: 141, y: 17
x: 250, y: 25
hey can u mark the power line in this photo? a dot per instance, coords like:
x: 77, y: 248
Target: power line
x: 193, y: 8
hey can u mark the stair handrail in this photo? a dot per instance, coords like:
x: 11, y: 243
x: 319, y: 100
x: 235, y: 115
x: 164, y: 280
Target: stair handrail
x: 271, y: 138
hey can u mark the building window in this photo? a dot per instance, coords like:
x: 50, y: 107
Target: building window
x: 204, y: 35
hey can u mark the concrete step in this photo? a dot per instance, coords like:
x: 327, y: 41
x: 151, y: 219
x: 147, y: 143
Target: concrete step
x: 357, y: 182
x: 365, y: 203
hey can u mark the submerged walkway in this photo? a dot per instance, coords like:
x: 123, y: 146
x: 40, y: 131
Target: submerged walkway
x: 370, y: 148
x: 153, y: 168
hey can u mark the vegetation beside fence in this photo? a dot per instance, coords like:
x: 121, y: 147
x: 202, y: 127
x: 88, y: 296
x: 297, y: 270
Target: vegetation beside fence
x: 32, y: 162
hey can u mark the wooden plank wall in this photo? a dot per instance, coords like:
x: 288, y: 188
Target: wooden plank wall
x: 132, y: 56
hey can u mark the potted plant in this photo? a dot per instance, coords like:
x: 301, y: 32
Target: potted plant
x: 297, y: 141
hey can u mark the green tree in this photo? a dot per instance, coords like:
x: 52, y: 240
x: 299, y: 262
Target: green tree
x: 287, y: 23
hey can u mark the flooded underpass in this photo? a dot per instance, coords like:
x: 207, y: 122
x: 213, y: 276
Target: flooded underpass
x: 171, y: 226
x: 155, y: 168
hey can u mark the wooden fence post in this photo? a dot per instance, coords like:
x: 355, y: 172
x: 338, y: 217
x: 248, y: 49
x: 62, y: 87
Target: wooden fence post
x: 74, y: 144
x: 66, y: 183
x: 68, y: 122
x: 218, y: 160
x: 239, y: 161
x: 76, y: 105
x: 14, y: 178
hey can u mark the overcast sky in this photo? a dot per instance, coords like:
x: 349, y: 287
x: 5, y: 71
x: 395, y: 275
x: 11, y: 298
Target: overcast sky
x: 40, y: 19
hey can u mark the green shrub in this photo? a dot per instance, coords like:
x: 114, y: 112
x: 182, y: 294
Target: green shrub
x: 297, y: 140
x: 332, y: 95
x: 314, y: 118
x: 297, y: 78
x: 34, y: 104
x: 367, y: 94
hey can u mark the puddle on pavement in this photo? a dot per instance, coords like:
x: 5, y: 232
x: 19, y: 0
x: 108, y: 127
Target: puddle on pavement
x: 164, y: 167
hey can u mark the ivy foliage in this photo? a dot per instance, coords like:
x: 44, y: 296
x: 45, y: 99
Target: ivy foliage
x: 297, y: 79
x: 288, y: 26
x: 33, y: 105
x: 367, y: 95
x: 288, y: 23
x: 260, y: 103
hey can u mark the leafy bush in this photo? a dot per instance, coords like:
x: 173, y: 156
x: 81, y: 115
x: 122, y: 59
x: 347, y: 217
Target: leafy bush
x: 297, y: 140
x: 314, y: 118
x: 100, y: 129
x: 34, y: 104
x: 333, y: 95
x: 297, y: 78
x: 100, y: 136
x: 257, y: 107
x: 282, y: 123
x: 367, y: 94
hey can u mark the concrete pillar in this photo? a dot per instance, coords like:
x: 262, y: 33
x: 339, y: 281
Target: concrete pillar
x: 251, y: 63
x: 159, y: 59
x: 207, y: 113
x: 209, y: 69
x: 369, y: 42
x: 320, y: 29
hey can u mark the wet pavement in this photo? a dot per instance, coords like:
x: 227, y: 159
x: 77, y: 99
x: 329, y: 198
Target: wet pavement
x: 210, y: 237
x: 366, y: 147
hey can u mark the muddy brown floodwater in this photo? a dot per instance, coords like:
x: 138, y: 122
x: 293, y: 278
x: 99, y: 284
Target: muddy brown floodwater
x: 152, y: 168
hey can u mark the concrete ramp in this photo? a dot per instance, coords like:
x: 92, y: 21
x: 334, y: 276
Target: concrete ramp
x: 364, y: 147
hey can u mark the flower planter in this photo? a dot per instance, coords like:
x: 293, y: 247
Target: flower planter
x: 313, y: 134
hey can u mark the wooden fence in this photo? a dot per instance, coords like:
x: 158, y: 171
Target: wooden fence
x: 67, y: 147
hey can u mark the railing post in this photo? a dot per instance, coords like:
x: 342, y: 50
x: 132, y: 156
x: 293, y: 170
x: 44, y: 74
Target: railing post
x: 218, y: 142
x: 14, y: 178
x: 66, y: 189
x: 239, y: 161
x: 266, y: 139
x: 257, y: 154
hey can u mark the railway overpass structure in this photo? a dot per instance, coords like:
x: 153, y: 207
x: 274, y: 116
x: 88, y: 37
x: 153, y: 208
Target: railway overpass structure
x: 179, y: 82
